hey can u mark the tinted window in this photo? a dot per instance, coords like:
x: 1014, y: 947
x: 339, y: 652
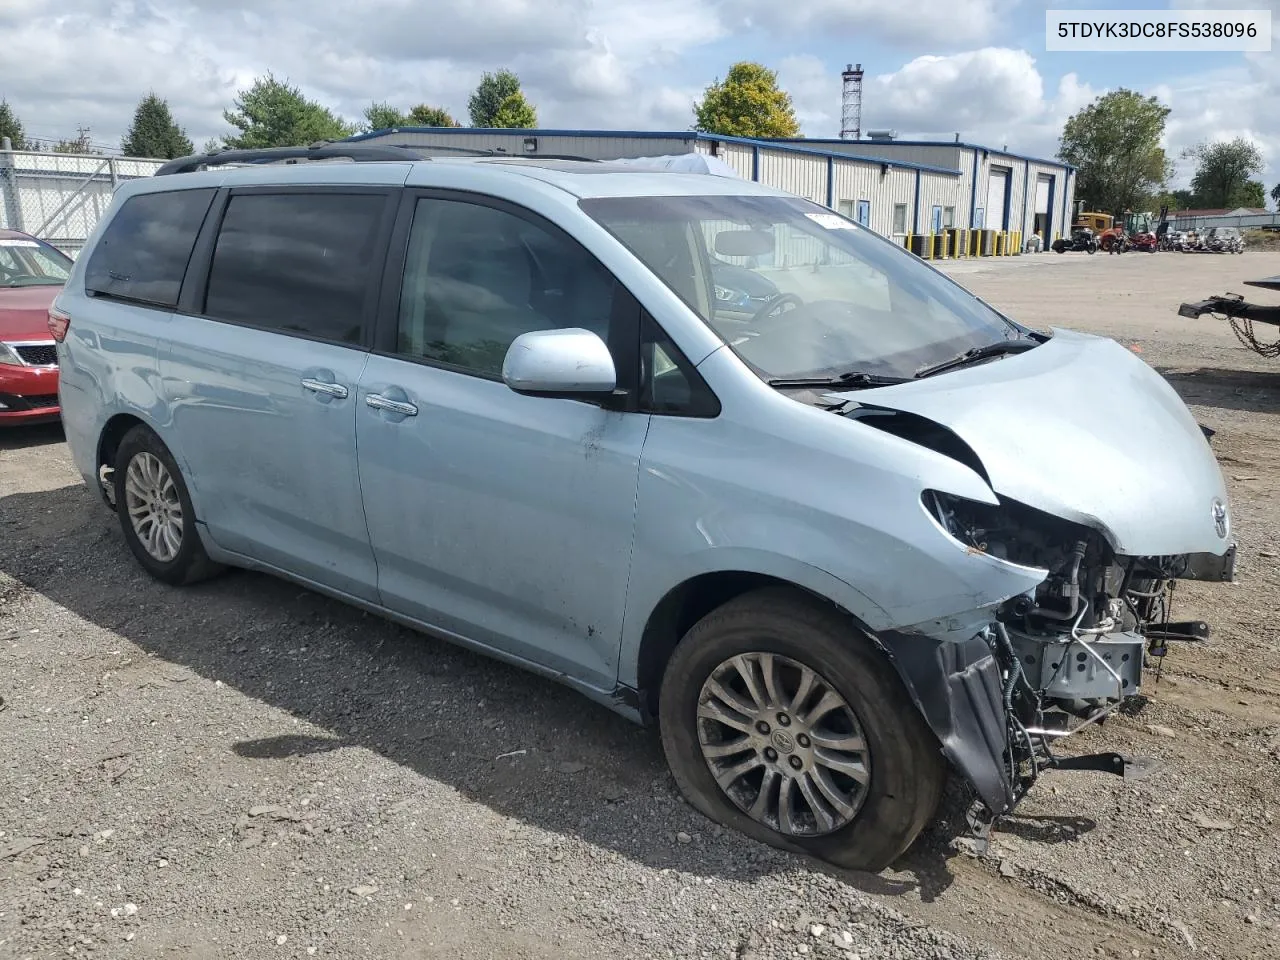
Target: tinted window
x: 144, y: 250
x: 296, y: 262
x: 477, y: 277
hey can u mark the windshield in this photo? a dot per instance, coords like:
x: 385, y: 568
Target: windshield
x: 797, y: 291
x: 30, y: 263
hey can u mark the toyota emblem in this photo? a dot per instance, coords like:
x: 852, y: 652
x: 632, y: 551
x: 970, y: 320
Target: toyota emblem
x: 1220, y: 517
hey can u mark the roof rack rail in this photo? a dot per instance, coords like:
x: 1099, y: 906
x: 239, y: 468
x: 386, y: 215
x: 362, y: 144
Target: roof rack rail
x: 324, y: 150
x: 546, y: 156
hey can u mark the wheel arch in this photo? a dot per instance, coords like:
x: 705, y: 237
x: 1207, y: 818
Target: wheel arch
x: 113, y: 431
x: 695, y: 596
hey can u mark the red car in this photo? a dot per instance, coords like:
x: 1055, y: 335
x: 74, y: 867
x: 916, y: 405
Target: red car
x: 31, y: 274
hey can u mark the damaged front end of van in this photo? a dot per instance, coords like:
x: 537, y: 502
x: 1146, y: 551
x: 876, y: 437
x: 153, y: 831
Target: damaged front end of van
x: 1101, y: 505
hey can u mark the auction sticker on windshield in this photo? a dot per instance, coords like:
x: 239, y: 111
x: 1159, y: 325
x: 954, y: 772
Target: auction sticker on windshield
x: 831, y: 221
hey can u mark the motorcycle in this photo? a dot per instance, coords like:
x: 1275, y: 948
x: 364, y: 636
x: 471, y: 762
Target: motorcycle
x: 1144, y: 242
x: 1081, y: 240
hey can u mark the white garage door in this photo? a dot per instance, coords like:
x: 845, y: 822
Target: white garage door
x: 997, y: 190
x: 1042, y: 195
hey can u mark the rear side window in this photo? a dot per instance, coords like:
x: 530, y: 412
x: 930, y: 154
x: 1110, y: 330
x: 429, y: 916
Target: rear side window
x: 299, y: 263
x: 144, y: 250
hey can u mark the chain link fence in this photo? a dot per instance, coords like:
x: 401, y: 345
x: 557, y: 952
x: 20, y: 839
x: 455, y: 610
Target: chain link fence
x: 59, y: 197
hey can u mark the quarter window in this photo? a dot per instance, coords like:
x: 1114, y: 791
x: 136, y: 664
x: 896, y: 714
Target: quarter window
x: 143, y: 253
x: 477, y: 277
x: 297, y: 262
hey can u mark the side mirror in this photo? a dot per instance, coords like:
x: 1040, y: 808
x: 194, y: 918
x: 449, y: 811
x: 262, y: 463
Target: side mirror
x: 563, y: 363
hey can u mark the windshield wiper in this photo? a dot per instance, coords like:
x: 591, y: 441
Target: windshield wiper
x: 977, y: 353
x: 845, y: 381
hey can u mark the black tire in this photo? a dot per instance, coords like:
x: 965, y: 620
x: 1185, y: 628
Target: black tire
x: 190, y: 564
x: 905, y: 759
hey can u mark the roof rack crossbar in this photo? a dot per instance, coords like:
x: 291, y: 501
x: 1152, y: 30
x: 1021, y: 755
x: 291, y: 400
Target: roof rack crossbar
x: 325, y: 150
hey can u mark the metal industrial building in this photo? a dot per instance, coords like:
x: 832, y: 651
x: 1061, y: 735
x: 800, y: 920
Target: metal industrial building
x: 940, y: 199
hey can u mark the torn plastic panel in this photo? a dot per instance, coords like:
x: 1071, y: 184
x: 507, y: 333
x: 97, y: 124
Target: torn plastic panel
x: 1000, y: 685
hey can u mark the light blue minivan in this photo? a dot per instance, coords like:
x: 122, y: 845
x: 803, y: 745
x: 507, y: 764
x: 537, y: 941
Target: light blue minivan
x: 707, y: 452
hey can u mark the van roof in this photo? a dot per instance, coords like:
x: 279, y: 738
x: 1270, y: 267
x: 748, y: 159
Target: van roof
x: 580, y: 178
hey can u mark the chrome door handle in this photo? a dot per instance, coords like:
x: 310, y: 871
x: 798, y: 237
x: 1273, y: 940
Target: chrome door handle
x: 319, y: 386
x: 379, y: 402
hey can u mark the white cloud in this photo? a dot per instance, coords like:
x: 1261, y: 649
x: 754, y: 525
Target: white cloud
x: 1241, y: 101
x: 994, y: 95
x: 588, y: 63
x: 582, y: 62
x: 949, y: 23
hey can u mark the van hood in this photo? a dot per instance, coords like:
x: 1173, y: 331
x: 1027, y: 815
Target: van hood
x: 1082, y: 429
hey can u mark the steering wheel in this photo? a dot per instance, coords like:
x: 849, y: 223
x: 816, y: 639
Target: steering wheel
x: 773, y: 306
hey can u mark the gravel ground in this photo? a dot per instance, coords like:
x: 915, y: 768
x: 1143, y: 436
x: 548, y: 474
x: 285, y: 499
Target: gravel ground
x: 244, y: 770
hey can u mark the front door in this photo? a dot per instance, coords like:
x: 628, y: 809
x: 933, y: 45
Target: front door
x: 502, y: 518
x: 261, y: 374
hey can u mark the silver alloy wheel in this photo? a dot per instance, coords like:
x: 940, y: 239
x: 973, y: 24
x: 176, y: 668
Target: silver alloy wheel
x: 783, y: 745
x: 155, y: 510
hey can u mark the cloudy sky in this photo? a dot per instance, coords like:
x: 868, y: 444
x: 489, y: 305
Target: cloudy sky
x: 934, y: 67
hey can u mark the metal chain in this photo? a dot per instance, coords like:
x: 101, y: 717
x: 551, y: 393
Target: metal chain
x: 1243, y: 329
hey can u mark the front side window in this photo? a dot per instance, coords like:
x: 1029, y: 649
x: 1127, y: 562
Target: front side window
x: 143, y: 253
x: 476, y: 277
x: 797, y: 291
x: 30, y: 263
x: 297, y: 262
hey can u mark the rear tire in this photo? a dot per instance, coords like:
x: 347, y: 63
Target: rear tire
x: 878, y: 818
x: 155, y: 511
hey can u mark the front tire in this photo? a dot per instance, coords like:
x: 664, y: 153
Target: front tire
x: 155, y: 510
x: 780, y: 718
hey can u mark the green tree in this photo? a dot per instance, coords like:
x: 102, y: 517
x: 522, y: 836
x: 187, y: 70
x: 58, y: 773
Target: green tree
x: 11, y: 127
x: 747, y: 103
x: 515, y: 112
x: 1115, y: 144
x: 427, y: 116
x: 1275, y: 195
x: 154, y: 133
x: 274, y: 113
x: 383, y: 116
x: 490, y: 95
x: 1223, y: 172
x: 1174, y: 200
x: 80, y: 145
x: 1252, y: 194
x: 212, y: 145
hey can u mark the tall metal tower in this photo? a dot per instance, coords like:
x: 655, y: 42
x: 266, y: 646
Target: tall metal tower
x: 851, y: 103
